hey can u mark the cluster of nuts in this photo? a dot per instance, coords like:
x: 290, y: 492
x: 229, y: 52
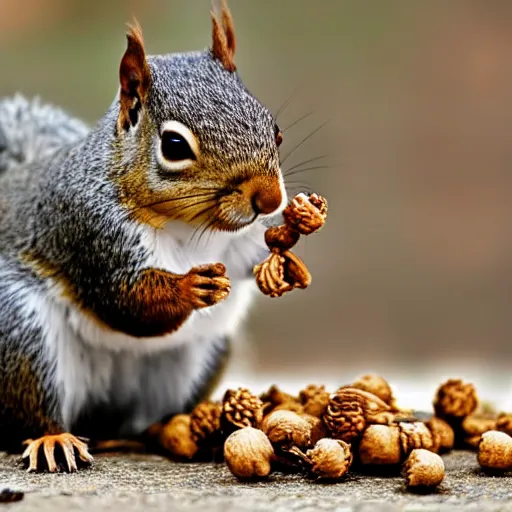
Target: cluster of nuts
x: 283, y: 271
x: 324, y: 435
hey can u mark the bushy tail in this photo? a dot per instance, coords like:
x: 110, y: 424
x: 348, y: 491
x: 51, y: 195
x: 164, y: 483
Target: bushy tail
x: 30, y: 130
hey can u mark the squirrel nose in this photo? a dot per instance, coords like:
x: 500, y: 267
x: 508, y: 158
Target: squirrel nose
x: 264, y: 192
x: 266, y: 200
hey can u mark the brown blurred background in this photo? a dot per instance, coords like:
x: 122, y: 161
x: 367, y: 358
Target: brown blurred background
x: 412, y: 276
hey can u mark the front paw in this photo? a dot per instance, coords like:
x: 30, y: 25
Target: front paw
x: 206, y: 285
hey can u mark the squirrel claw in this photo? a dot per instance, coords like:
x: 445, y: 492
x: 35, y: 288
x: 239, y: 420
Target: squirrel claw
x: 67, y: 443
x: 207, y: 285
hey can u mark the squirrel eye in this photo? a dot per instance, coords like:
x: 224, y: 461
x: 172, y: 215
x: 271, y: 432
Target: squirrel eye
x: 278, y: 135
x: 175, y: 147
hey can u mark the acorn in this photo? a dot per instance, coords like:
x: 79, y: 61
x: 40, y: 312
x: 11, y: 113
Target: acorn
x: 248, y: 453
x: 330, y: 459
x: 423, y: 469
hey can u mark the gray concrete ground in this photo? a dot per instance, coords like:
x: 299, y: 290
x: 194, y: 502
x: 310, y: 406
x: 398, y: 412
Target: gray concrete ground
x: 126, y: 483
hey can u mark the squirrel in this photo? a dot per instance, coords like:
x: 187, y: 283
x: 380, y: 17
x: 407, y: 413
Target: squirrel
x: 127, y: 249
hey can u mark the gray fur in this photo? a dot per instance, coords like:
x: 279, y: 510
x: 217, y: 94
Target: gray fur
x: 30, y: 130
x: 60, y: 204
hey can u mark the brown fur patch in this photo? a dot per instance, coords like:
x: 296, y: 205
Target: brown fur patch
x: 156, y: 304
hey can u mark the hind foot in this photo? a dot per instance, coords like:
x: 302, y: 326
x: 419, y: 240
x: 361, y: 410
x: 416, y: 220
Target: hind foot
x: 66, y: 444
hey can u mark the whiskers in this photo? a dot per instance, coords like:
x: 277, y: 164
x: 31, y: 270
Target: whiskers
x: 303, y: 166
x: 187, y: 207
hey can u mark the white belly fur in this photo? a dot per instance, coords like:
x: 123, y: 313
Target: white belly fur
x: 153, y: 375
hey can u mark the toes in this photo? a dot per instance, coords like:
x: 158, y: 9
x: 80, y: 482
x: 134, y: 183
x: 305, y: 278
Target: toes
x: 49, y: 453
x: 213, y: 270
x: 207, y: 298
x: 84, y: 454
x: 69, y: 455
x: 66, y: 442
x: 33, y: 450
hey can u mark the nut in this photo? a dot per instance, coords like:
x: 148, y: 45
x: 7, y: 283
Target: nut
x: 330, y: 458
x: 442, y: 434
x: 350, y: 410
x: 281, y: 238
x: 423, y: 469
x: 270, y: 276
x: 315, y: 399
x: 474, y: 426
x: 176, y: 437
x: 240, y: 408
x: 286, y: 429
x: 295, y: 271
x: 495, y: 450
x: 380, y: 445
x: 306, y: 214
x: 205, y: 423
x: 414, y: 436
x: 317, y: 428
x: 455, y: 400
x: 248, y: 453
x: 376, y: 385
x: 289, y: 406
x: 276, y: 396
x: 504, y: 423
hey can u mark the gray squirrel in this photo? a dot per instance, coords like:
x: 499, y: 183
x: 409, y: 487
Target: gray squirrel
x: 126, y: 249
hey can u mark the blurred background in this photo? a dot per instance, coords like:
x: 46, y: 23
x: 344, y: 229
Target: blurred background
x: 412, y: 275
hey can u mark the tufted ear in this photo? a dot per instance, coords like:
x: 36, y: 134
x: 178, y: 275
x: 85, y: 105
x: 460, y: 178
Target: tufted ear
x: 224, y: 44
x: 134, y: 78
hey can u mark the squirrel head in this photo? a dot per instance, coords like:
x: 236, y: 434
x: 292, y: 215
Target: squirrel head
x: 192, y: 143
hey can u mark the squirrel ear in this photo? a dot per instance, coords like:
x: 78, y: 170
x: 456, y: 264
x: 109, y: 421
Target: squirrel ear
x: 134, y: 77
x: 224, y: 43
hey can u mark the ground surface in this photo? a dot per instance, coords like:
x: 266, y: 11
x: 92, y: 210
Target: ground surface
x: 120, y: 482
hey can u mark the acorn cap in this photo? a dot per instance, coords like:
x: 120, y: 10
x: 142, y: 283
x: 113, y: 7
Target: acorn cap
x: 240, y: 408
x: 205, y: 422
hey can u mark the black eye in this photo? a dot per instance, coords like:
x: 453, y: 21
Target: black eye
x: 175, y: 147
x: 278, y: 135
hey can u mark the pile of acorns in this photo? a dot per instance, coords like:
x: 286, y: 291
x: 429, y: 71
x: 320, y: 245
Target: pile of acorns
x: 323, y: 435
